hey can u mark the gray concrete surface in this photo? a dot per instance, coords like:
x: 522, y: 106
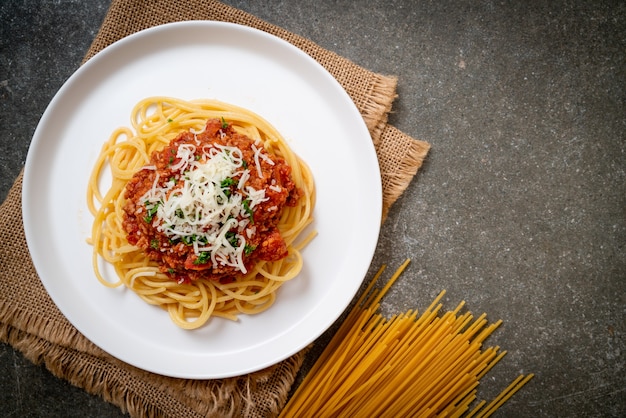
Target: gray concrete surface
x: 519, y: 209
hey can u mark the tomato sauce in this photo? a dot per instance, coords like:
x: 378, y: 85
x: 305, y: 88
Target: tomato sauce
x: 176, y: 257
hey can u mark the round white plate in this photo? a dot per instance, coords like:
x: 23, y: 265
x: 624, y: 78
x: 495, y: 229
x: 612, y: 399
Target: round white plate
x: 234, y: 64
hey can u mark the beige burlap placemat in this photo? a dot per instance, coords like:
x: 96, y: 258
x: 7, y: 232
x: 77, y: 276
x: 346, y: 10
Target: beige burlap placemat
x: 32, y: 324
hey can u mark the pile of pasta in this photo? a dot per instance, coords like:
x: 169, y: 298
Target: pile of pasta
x: 156, y: 121
x: 405, y: 366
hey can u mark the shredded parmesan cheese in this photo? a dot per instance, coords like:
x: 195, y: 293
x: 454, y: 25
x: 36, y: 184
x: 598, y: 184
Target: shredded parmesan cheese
x: 198, y: 207
x: 258, y: 154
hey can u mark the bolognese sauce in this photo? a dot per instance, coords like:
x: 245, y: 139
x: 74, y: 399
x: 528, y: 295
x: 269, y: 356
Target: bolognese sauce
x: 208, y: 204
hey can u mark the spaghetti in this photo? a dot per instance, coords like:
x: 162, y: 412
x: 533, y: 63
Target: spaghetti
x: 407, y: 366
x: 141, y: 222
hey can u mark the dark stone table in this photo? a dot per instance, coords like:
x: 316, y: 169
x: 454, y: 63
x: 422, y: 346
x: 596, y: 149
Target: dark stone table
x: 520, y: 208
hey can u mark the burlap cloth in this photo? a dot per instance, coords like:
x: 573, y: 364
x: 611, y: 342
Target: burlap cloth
x: 32, y: 324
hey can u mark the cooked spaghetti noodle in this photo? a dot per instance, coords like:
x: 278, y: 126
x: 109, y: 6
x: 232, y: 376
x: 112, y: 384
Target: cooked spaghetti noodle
x: 155, y: 123
x: 407, y: 366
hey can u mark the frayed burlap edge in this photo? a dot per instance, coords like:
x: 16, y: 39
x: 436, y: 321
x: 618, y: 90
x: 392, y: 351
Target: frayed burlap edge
x: 62, y: 335
x: 152, y: 395
x: 399, y: 158
x: 375, y: 112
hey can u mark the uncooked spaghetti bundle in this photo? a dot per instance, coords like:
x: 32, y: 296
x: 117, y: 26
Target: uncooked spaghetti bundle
x: 409, y: 365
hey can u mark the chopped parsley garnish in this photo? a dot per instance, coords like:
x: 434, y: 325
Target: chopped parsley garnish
x: 246, y: 207
x: 170, y: 120
x: 224, y: 123
x: 151, y: 212
x: 227, y: 182
x: 232, y: 239
x: 247, y: 250
x: 225, y: 185
x: 203, y: 258
x: 190, y: 239
x: 154, y: 244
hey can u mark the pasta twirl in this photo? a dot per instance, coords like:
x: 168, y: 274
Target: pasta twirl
x: 155, y: 123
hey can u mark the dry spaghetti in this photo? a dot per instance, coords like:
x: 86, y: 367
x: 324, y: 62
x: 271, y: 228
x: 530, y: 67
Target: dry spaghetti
x: 405, y: 366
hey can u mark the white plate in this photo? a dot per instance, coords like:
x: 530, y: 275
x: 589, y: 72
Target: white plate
x: 238, y: 65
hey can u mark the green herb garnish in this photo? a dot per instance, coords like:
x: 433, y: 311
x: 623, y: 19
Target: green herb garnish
x: 246, y: 207
x: 232, y: 239
x: 151, y: 212
x: 227, y: 182
x: 225, y: 185
x: 203, y: 258
x: 188, y: 239
x: 247, y: 250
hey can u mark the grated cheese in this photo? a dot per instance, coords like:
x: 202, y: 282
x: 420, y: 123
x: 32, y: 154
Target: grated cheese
x: 264, y: 157
x: 194, y: 207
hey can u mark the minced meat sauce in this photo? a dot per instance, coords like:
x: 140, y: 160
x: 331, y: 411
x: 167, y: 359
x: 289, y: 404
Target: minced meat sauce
x: 208, y: 204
